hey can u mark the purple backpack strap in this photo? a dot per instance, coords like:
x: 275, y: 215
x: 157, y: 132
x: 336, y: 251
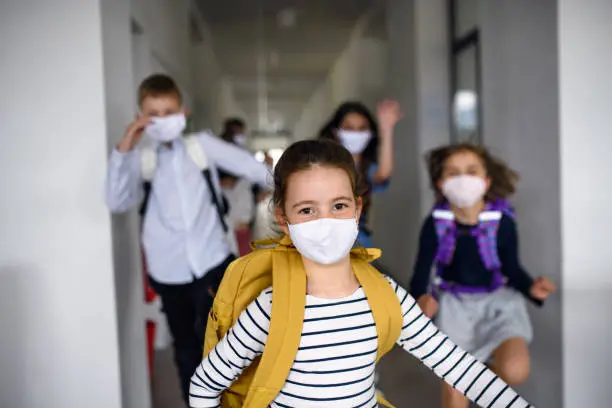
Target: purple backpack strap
x: 502, y: 205
x: 444, y: 222
x: 486, y: 234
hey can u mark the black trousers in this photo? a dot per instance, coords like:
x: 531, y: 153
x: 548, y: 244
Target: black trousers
x: 186, y: 308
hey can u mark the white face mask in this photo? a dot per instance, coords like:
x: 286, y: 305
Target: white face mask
x: 353, y: 140
x: 240, y: 139
x: 326, y: 240
x: 166, y: 129
x: 464, y: 191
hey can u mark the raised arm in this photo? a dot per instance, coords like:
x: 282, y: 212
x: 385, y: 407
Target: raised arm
x: 235, y: 160
x: 421, y: 338
x: 123, y: 180
x: 389, y: 114
x: 234, y: 353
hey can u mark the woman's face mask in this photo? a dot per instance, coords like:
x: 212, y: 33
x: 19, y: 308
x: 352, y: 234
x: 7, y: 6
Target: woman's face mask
x: 355, y: 141
x: 326, y: 240
x: 166, y: 129
x: 465, y: 190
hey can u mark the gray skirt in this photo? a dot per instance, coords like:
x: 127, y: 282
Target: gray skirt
x: 480, y: 323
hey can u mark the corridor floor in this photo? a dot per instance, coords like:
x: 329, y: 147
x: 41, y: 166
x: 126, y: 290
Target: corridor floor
x: 404, y: 382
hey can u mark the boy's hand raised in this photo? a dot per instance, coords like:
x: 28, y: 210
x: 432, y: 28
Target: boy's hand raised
x: 133, y: 134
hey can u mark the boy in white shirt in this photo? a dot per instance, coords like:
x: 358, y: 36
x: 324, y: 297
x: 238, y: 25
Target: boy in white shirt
x: 184, y: 232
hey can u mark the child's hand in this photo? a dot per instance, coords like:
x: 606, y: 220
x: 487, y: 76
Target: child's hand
x: 133, y: 133
x: 542, y: 287
x: 429, y: 305
x: 389, y: 113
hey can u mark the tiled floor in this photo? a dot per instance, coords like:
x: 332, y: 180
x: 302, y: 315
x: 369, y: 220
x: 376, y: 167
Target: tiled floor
x: 404, y: 382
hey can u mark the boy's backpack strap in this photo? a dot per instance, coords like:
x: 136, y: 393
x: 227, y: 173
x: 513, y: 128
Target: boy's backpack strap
x: 288, y: 305
x: 198, y: 156
x: 196, y: 152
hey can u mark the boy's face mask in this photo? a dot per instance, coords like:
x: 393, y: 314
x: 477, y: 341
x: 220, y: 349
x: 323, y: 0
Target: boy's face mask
x: 355, y: 141
x: 326, y: 240
x: 465, y: 190
x: 166, y: 129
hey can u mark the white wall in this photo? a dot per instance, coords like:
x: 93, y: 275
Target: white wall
x: 215, y: 95
x: 585, y: 86
x: 166, y: 26
x: 57, y: 294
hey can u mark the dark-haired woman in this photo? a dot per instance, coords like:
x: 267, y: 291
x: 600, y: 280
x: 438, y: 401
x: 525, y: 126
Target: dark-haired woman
x: 370, y: 141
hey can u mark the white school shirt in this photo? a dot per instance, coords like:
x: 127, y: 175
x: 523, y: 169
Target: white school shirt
x: 182, y: 234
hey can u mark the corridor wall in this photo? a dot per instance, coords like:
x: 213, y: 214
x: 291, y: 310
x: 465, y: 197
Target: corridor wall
x: 58, y: 316
x: 521, y: 124
x: 417, y: 76
x: 358, y: 74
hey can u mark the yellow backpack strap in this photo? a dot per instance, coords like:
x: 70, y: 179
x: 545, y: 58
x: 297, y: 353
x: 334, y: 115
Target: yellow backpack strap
x: 263, y: 243
x: 285, y: 332
x: 385, y: 305
x: 382, y: 401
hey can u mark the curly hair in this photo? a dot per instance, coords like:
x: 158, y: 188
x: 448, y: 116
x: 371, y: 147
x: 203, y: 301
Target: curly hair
x: 503, y: 178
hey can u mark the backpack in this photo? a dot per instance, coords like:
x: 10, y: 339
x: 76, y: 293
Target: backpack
x: 279, y: 264
x: 148, y: 165
x: 486, y: 235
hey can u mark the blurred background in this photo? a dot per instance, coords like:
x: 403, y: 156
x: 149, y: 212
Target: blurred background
x: 530, y: 79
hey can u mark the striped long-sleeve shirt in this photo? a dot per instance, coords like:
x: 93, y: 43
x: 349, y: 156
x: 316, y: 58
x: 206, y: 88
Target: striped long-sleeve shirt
x: 334, y: 365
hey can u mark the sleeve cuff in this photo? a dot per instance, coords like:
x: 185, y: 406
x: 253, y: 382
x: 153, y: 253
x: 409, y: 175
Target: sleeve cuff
x: 416, y: 294
x: 524, y: 287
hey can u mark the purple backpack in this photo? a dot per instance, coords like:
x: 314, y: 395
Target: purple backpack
x: 486, y: 234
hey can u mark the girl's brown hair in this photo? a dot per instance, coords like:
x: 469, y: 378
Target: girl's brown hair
x: 503, y: 178
x: 305, y: 154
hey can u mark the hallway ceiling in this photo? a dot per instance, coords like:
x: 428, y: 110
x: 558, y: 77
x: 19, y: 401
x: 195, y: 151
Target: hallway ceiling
x: 272, y: 62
